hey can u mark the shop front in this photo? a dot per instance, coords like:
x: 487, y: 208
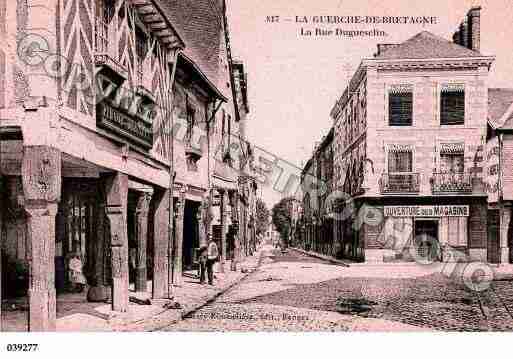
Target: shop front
x: 426, y: 232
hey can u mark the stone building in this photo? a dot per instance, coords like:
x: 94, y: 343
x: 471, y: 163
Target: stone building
x: 409, y: 137
x: 316, y: 224
x: 86, y: 145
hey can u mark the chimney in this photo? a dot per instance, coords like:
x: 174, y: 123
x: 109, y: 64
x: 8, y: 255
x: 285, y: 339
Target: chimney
x: 474, y: 28
x: 383, y: 47
x: 464, y: 33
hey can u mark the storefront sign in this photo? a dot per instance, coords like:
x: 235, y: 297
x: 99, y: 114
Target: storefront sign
x: 426, y: 211
x: 130, y: 127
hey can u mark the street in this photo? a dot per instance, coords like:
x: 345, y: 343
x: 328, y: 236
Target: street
x: 295, y: 292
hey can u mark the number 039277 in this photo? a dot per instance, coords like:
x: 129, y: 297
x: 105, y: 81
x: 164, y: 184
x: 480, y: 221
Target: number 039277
x: 22, y: 347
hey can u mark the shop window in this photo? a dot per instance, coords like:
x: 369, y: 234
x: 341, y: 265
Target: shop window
x: 400, y: 106
x: 452, y: 105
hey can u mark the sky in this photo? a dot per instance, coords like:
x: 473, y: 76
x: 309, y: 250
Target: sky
x: 294, y: 81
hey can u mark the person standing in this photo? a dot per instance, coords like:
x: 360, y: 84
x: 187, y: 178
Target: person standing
x: 203, y: 263
x: 77, y: 278
x: 212, y: 258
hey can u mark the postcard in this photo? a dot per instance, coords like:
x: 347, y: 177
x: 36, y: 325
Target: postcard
x: 276, y: 166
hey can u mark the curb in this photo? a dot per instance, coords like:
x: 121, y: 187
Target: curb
x: 323, y: 257
x: 188, y: 312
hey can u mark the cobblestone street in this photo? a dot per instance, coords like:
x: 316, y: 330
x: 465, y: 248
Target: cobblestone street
x: 294, y: 292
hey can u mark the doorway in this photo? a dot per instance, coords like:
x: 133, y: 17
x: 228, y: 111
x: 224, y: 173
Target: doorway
x: 426, y: 240
x: 493, y: 243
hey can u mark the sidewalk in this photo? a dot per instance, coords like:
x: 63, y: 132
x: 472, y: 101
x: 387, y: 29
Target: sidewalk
x: 75, y: 314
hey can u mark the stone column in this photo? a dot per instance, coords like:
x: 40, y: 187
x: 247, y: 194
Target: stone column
x: 505, y: 219
x: 224, y: 228
x: 41, y: 176
x: 141, y: 213
x: 234, y: 203
x: 178, y: 248
x: 161, y: 243
x: 116, y: 189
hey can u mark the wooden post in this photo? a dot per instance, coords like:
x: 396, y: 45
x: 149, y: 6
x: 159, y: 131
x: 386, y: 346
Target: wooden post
x: 2, y: 206
x: 116, y: 189
x: 234, y: 202
x: 204, y: 223
x: 160, y: 228
x: 224, y: 228
x: 41, y: 176
x: 141, y: 276
x: 505, y: 219
x: 178, y: 250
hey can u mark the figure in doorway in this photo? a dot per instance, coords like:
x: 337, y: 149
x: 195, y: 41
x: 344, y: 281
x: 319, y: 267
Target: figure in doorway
x: 76, y: 276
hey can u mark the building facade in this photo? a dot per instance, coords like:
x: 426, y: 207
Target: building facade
x: 108, y: 142
x: 314, y: 230
x: 409, y: 140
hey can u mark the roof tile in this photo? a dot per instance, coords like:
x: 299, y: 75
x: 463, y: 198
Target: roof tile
x: 499, y: 101
x: 426, y: 45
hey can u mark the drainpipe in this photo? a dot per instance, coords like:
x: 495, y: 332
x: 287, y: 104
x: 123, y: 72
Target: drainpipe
x: 499, y: 184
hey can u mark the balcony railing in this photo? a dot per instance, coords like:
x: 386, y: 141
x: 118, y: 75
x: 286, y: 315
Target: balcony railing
x: 399, y: 183
x: 451, y: 182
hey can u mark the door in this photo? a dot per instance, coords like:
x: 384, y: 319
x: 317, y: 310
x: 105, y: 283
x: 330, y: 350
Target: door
x: 426, y: 240
x: 493, y: 236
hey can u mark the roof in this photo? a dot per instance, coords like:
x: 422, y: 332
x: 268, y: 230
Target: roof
x: 201, y: 75
x: 426, y: 45
x: 500, y: 107
x: 200, y: 25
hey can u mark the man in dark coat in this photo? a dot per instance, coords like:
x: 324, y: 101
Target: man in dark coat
x: 212, y: 258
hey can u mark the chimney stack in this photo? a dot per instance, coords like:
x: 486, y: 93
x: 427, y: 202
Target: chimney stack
x: 474, y: 26
x: 464, y: 33
x: 383, y: 47
x: 469, y: 32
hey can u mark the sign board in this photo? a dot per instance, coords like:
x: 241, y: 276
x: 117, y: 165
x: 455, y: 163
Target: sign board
x: 426, y: 211
x: 492, y: 168
x: 125, y: 125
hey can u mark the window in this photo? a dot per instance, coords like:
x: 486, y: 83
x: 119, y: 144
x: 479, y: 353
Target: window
x: 452, y: 105
x: 191, y: 114
x: 141, y: 47
x: 104, y: 14
x: 223, y: 129
x: 400, y: 161
x: 451, y: 163
x: 400, y: 105
x: 229, y: 119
